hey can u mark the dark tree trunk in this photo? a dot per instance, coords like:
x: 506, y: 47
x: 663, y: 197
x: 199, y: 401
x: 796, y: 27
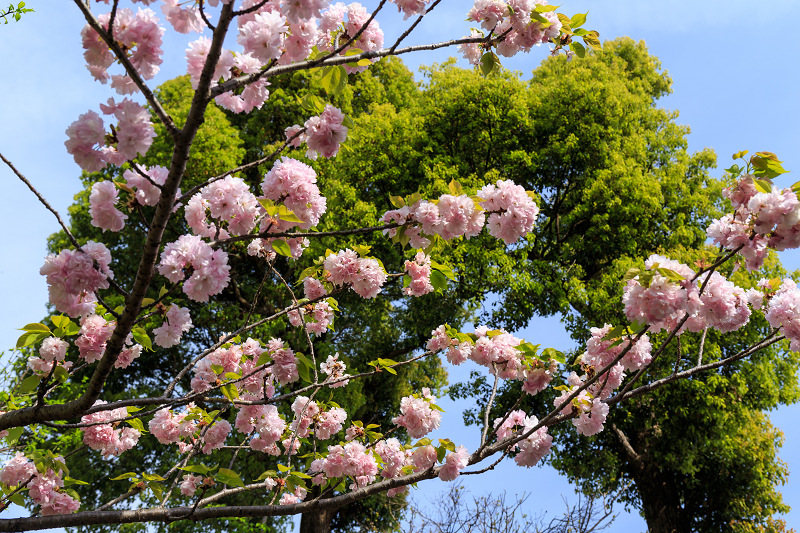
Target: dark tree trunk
x: 317, y: 522
x: 661, y: 503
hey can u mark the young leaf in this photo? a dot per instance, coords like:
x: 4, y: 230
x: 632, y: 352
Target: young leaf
x: 29, y: 384
x: 280, y: 247
x: 229, y: 477
x: 487, y: 63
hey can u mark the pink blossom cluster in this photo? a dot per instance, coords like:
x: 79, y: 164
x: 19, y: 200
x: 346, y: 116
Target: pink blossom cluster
x: 264, y: 420
x: 393, y: 457
x: 44, y: 488
x: 761, y: 220
x: 496, y: 349
x: 419, y: 270
x: 538, y: 376
x: 178, y: 321
x: 601, y: 351
x: 94, y: 334
x: 284, y: 362
x: 783, y: 311
x: 664, y: 303
x: 289, y: 498
x: 341, y: 21
x: 169, y: 427
x: 365, y: 275
x: 590, y: 411
x: 189, y: 484
x: 307, y: 412
x: 209, y: 268
x: 335, y: 370
x: 107, y: 438
x: 724, y: 305
x: 535, y: 446
x: 102, y: 207
x: 323, y: 134
x: 409, y: 8
x: 72, y: 278
x: 454, y: 463
x: 52, y: 352
x: 352, y: 460
x: 205, y: 376
x: 251, y: 97
x: 295, y: 185
x: 92, y: 149
x: 146, y: 192
x: 513, y: 211
x: 183, y: 18
x: 215, y: 435
x: 230, y: 202
x: 315, y: 317
x: 137, y: 34
x: 418, y: 414
x: 513, y: 18
x: 313, y: 288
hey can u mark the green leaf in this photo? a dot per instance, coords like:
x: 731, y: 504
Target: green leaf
x: 153, y: 477
x: 740, y: 154
x: 283, y: 468
x: 265, y: 475
x: 288, y: 215
x: 552, y: 353
x: 578, y: 20
x: 397, y: 201
x: 578, y: 48
x: 438, y: 280
x: 31, y: 337
x: 70, y: 481
x: 263, y: 359
x: 444, y: 269
x: 13, y: 435
x: 36, y: 327
x: 60, y: 321
x: 230, y: 391
x: 313, y: 103
x: 422, y: 442
x: 441, y: 451
x: 136, y: 424
x: 280, y: 247
x: 229, y: 477
x: 217, y: 369
x: 762, y: 185
x: 60, y: 374
x: 201, y: 469
x: 162, y: 291
x: 592, y: 40
x: 487, y: 63
x: 334, y: 79
x: 133, y: 409
x: 127, y: 475
x: 29, y: 384
x: 141, y: 336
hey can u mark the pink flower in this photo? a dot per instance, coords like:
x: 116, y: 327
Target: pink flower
x: 215, y: 436
x: 101, y: 207
x: 146, y: 192
x: 419, y: 270
x: 177, y: 322
x: 183, y: 19
x: 417, y: 415
x: 83, y: 136
x: 16, y: 470
x: 263, y: 36
x: 325, y: 133
x: 453, y: 464
x: 94, y: 334
x: 189, y: 484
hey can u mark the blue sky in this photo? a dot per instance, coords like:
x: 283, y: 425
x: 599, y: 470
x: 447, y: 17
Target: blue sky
x: 734, y: 83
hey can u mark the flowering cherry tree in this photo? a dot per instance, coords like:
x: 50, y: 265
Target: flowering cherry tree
x: 261, y: 393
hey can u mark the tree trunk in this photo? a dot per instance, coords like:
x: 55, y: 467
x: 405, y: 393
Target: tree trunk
x: 660, y: 502
x: 661, y: 505
x: 317, y: 521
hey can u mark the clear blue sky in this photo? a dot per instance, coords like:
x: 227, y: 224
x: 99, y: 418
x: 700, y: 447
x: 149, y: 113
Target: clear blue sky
x: 735, y: 78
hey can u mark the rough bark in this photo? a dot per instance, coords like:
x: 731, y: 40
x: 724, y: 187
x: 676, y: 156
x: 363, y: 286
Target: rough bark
x: 317, y: 521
